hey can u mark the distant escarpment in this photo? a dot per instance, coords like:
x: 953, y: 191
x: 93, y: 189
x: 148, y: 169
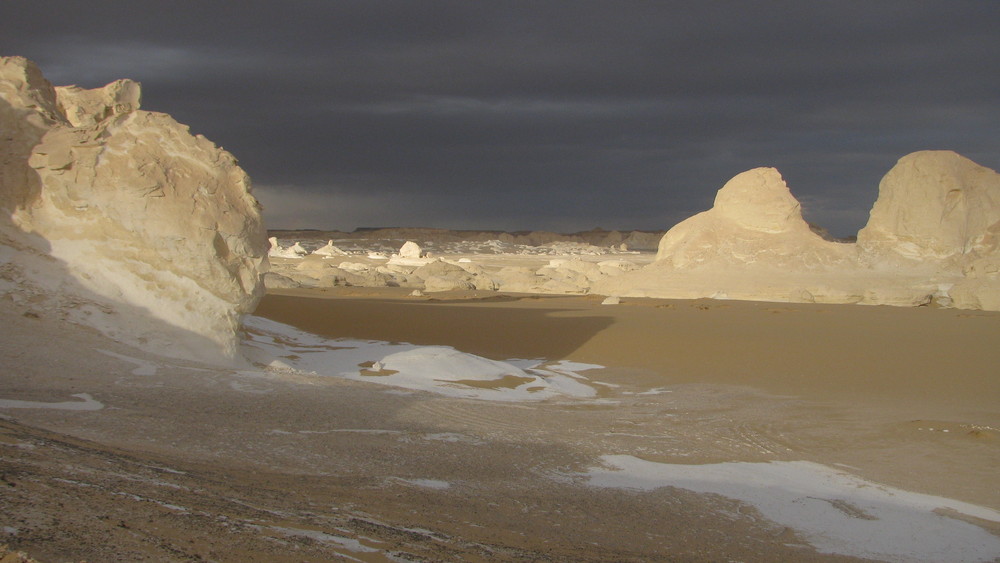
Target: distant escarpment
x: 122, y: 219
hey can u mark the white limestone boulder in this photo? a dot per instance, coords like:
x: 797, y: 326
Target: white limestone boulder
x: 440, y: 268
x: 518, y: 279
x: 753, y: 244
x: 939, y: 212
x: 411, y: 249
x: 278, y: 251
x: 439, y: 275
x: 329, y: 249
x: 447, y: 283
x: 616, y: 267
x: 142, y: 216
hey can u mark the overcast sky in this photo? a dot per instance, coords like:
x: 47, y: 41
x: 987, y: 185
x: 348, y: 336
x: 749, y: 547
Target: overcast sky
x: 542, y: 114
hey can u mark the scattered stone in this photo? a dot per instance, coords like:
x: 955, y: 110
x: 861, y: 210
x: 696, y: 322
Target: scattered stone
x: 329, y: 250
x: 411, y: 249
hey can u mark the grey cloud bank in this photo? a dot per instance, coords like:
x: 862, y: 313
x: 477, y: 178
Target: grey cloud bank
x: 543, y: 115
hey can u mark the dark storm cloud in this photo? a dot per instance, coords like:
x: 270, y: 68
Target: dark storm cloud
x: 560, y: 115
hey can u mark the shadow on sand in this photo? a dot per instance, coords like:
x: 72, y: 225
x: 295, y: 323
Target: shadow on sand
x: 537, y: 329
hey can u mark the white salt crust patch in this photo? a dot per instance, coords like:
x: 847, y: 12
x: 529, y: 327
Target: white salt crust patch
x: 835, y: 511
x: 437, y: 369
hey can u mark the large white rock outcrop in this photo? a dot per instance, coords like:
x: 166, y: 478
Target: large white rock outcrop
x: 933, y: 237
x: 755, y: 222
x: 142, y: 217
x: 934, y: 206
x: 753, y: 244
x: 939, y: 211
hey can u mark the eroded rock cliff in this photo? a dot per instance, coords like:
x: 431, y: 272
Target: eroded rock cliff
x: 138, y: 214
x: 938, y: 211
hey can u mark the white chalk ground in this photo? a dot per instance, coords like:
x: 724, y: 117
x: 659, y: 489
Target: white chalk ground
x: 835, y: 511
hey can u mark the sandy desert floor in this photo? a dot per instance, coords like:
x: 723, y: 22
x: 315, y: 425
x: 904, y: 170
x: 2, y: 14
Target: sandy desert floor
x: 112, y: 454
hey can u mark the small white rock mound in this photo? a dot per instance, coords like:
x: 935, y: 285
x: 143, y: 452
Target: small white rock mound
x: 410, y: 254
x: 142, y: 217
x: 278, y: 251
x: 411, y: 249
x: 329, y: 250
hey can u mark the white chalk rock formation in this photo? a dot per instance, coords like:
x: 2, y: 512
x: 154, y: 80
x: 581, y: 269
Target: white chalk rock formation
x: 154, y: 225
x: 274, y: 280
x: 410, y: 254
x: 755, y: 222
x: 616, y: 267
x: 939, y: 212
x: 411, y: 249
x: 933, y: 237
x: 569, y: 275
x: 84, y: 108
x: 329, y: 250
x: 934, y: 206
x: 518, y: 279
x: 278, y: 251
x: 444, y: 276
x: 753, y: 244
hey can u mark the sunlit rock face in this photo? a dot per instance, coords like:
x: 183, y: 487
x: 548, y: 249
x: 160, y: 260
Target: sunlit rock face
x: 27, y: 110
x: 934, y: 205
x: 759, y: 200
x: 756, y: 222
x: 84, y: 108
x: 933, y: 238
x: 938, y: 209
x: 138, y: 211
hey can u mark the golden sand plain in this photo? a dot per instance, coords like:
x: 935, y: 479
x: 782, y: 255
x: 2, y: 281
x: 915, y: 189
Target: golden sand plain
x: 891, y: 356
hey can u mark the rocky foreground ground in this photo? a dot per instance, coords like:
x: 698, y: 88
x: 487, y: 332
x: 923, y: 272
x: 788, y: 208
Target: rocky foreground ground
x: 114, y: 454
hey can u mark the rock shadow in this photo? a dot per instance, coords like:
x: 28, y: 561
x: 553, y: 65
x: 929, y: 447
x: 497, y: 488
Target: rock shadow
x: 499, y: 332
